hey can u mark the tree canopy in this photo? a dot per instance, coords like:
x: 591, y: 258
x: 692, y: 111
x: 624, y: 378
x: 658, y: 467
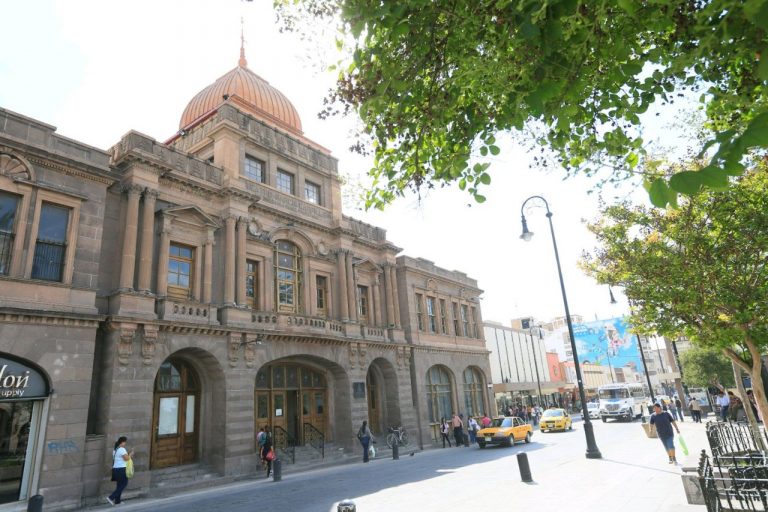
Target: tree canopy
x: 435, y: 81
x: 699, y: 269
x: 702, y: 364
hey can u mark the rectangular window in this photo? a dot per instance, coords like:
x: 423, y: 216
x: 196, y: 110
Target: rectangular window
x: 254, y: 169
x: 362, y: 302
x: 465, y: 320
x: 473, y: 321
x: 431, y: 314
x: 456, y: 330
x: 51, y: 245
x: 180, y: 265
x: 312, y: 192
x: 419, y: 312
x: 284, y: 182
x: 443, y: 317
x: 9, y: 203
x: 321, y: 293
x: 252, y: 283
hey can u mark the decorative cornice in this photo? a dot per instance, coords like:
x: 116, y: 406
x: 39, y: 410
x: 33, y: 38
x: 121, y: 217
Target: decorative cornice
x: 78, y: 173
x: 37, y: 318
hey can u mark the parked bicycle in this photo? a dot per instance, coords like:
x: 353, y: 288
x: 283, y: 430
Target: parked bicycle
x: 397, y: 435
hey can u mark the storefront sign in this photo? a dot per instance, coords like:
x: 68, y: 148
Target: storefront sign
x: 18, y: 381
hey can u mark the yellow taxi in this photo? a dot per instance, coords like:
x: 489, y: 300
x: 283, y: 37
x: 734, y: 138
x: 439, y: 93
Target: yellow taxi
x: 555, y: 419
x: 505, y: 431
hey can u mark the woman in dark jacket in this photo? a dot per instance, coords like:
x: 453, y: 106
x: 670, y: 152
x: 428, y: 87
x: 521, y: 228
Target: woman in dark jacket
x: 266, y: 448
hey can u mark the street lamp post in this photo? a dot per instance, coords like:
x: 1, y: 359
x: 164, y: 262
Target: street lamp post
x: 592, y: 451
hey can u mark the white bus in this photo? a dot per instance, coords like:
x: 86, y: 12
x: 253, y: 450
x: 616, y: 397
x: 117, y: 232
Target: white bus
x: 623, y: 401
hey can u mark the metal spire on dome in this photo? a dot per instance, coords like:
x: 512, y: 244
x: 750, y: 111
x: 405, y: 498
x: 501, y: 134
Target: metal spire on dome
x: 242, y: 62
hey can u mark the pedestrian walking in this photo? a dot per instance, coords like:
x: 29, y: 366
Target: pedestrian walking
x: 673, y: 408
x: 267, y: 451
x: 679, y: 408
x: 458, y: 429
x: 664, y: 423
x: 695, y: 408
x: 445, y: 428
x: 365, y: 436
x: 724, y: 402
x: 120, y: 458
x: 473, y: 428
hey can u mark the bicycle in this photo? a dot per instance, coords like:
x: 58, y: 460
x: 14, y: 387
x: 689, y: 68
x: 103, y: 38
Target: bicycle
x: 397, y: 435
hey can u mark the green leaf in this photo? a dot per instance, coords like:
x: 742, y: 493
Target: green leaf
x: 494, y: 150
x: 628, y: 6
x: 756, y: 134
x: 658, y: 193
x: 485, y: 179
x: 686, y: 182
x: 479, y: 198
x: 462, y: 184
x: 757, y: 12
x: 632, y: 160
x: 762, y: 68
x: 484, y: 150
x: 528, y: 30
x: 400, y: 30
x: 714, y: 178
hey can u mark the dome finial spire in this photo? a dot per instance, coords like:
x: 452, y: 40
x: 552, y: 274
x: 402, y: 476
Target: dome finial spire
x: 242, y: 62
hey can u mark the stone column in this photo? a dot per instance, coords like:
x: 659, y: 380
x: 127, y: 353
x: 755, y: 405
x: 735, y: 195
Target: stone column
x: 208, y: 271
x: 395, y: 298
x: 147, y: 238
x: 229, y: 261
x: 390, y: 299
x: 341, y: 287
x: 162, y: 263
x: 376, y: 303
x: 197, y: 282
x: 351, y: 289
x: 242, y: 226
x: 128, y: 261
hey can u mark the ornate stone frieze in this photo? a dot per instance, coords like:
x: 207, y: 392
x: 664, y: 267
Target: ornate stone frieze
x: 234, y: 342
x: 149, y: 343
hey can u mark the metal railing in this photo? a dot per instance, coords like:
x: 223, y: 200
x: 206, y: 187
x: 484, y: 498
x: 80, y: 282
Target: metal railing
x: 49, y: 260
x: 727, y: 438
x: 282, y: 441
x: 314, y: 438
x: 734, y: 482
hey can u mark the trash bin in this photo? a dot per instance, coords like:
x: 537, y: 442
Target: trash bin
x: 277, y: 470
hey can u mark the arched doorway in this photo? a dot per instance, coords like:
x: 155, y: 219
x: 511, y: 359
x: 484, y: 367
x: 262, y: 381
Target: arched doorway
x: 383, y: 405
x: 474, y: 405
x: 175, y: 420
x: 439, y: 393
x: 292, y: 397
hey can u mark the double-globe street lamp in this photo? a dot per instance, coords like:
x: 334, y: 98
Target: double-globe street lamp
x: 592, y: 451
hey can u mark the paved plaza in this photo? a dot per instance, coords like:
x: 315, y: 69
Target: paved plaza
x: 633, y: 475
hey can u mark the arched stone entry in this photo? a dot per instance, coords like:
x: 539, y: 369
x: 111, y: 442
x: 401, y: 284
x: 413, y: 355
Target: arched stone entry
x: 383, y: 403
x: 176, y: 413
x: 188, y: 416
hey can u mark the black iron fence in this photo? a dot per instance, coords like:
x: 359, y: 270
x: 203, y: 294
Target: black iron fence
x: 314, y: 438
x: 284, y: 443
x: 48, y: 263
x: 727, y: 438
x: 6, y: 250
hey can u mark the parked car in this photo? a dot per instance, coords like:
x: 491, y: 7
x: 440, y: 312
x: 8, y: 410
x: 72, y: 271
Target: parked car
x: 594, y: 410
x: 555, y: 419
x: 505, y: 431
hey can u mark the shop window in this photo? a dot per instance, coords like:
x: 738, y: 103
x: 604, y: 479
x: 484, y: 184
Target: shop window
x: 9, y: 204
x: 180, y: 265
x: 51, y: 245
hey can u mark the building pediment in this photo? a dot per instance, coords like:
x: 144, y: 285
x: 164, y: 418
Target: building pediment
x: 190, y: 214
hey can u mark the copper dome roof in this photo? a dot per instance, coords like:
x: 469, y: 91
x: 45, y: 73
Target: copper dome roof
x: 248, y: 91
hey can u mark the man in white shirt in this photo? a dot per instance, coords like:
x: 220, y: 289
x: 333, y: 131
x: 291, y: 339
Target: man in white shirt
x: 724, y: 402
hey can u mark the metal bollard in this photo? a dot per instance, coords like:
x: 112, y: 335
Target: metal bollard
x: 277, y: 470
x: 395, y: 452
x: 35, y: 504
x: 346, y: 506
x: 525, y: 469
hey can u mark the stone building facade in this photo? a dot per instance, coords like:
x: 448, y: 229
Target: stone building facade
x: 198, y: 289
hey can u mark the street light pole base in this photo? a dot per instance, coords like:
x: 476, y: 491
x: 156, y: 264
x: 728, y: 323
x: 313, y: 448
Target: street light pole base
x: 594, y: 454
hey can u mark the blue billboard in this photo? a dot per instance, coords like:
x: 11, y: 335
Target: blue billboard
x: 608, y: 343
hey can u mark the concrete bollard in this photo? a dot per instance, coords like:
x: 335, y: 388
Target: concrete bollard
x: 346, y: 506
x: 395, y: 452
x: 277, y: 470
x: 525, y: 469
x: 35, y: 504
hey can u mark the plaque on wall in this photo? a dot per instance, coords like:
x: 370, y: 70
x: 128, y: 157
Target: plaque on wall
x: 358, y: 389
x: 19, y: 381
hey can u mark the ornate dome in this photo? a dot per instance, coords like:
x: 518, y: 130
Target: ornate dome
x: 249, y: 92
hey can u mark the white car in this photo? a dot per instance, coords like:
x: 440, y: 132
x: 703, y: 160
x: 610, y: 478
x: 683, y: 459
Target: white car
x: 594, y: 410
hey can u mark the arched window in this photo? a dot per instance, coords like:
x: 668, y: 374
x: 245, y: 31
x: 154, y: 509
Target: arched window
x: 439, y: 394
x: 473, y: 392
x: 288, y: 276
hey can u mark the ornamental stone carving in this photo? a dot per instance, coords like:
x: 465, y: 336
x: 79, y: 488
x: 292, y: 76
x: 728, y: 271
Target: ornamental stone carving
x: 234, y: 341
x: 149, y: 343
x: 126, y: 335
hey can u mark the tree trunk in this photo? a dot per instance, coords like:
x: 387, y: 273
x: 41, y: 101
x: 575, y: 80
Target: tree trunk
x: 737, y: 375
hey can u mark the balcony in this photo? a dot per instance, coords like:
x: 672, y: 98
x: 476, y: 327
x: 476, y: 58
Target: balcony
x: 186, y: 311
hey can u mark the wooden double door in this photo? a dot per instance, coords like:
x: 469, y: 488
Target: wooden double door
x: 176, y: 414
x: 289, y: 397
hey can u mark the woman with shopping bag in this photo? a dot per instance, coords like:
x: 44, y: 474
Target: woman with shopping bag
x: 121, y: 463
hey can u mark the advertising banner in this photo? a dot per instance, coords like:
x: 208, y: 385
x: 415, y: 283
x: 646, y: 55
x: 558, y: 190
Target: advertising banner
x: 608, y: 343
